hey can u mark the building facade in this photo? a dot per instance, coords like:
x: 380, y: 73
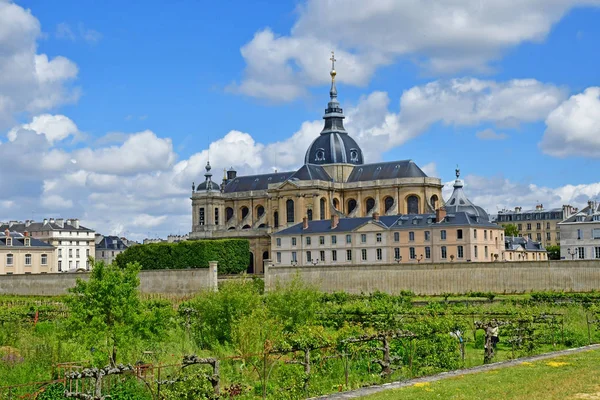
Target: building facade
x: 22, y: 254
x: 74, y: 243
x: 333, y: 182
x: 539, y: 224
x: 109, y: 247
x: 580, y: 234
x: 523, y: 249
x: 460, y: 231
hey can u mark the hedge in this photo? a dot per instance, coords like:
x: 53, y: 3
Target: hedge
x: 233, y: 255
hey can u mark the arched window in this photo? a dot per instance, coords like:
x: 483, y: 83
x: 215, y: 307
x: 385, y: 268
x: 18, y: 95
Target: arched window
x: 351, y: 205
x: 201, y: 216
x: 322, y: 206
x: 244, y: 212
x: 370, y: 204
x: 412, y: 205
x: 389, y: 203
x: 309, y: 214
x: 336, y: 204
x: 289, y: 208
x: 216, y: 216
x: 260, y: 210
x: 276, y: 219
x: 228, y: 213
x: 246, y: 227
x: 434, y: 201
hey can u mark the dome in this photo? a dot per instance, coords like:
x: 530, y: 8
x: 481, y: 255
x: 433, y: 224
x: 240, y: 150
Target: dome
x: 459, y: 202
x: 208, y: 184
x: 334, y: 145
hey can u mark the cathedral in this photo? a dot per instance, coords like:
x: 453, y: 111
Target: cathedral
x: 334, y: 181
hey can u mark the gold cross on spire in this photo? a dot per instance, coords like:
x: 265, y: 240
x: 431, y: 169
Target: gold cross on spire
x: 333, y: 60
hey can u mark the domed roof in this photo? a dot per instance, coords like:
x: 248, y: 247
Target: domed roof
x: 208, y: 184
x: 334, y: 145
x: 459, y: 202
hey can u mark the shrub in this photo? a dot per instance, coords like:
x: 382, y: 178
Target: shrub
x: 231, y: 254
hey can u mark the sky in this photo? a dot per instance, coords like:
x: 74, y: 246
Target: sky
x: 110, y: 110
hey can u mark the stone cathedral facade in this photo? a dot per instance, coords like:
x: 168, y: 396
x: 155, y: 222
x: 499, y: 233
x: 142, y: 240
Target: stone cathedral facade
x: 334, y: 180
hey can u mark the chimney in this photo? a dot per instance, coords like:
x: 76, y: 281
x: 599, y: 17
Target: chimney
x: 440, y: 214
x: 375, y: 216
x: 28, y: 222
x: 7, y: 233
x: 335, y: 220
x: 45, y: 221
x: 60, y: 222
x: 75, y: 223
x: 305, y: 223
x: 26, y: 234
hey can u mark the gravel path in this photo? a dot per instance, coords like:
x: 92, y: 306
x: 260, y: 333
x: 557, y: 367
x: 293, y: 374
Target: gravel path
x: 354, y: 394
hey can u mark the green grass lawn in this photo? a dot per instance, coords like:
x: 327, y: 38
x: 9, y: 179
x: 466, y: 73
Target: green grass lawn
x: 575, y: 376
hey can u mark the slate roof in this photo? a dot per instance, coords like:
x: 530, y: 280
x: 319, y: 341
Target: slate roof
x: 386, y: 170
x: 18, y: 240
x: 211, y: 186
x: 517, y: 243
x: 256, y: 182
x: 392, y: 222
x: 111, y: 243
x: 459, y: 202
x: 588, y: 214
x: 310, y: 172
x: 41, y: 227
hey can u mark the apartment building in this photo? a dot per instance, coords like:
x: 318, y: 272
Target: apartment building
x: 74, y: 243
x: 109, y: 247
x: 523, y: 249
x: 580, y: 234
x: 539, y: 224
x: 22, y: 254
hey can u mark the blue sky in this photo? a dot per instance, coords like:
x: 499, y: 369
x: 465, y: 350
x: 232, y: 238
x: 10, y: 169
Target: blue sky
x: 157, y: 82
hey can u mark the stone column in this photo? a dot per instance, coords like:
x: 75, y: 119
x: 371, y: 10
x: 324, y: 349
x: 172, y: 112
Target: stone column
x: 213, y: 276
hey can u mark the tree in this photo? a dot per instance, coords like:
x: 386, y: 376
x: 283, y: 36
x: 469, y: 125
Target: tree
x: 510, y: 230
x: 553, y: 252
x: 105, y: 311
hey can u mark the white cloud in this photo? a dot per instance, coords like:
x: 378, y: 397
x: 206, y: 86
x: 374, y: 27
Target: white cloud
x: 64, y: 31
x: 573, y: 128
x: 56, y: 202
x: 53, y: 127
x: 490, y: 134
x: 430, y: 169
x: 442, y: 36
x: 29, y: 82
x: 148, y: 221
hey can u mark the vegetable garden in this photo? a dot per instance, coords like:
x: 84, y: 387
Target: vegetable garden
x: 103, y: 341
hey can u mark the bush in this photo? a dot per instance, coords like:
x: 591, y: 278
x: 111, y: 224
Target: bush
x: 231, y: 254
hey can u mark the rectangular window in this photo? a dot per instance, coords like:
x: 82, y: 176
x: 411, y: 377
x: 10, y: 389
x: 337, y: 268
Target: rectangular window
x: 581, y: 252
x: 378, y: 237
x: 528, y: 227
x: 44, y: 259
x: 485, y: 251
x: 474, y: 233
x: 334, y: 239
x: 102, y: 253
x: 538, y: 226
x: 485, y: 234
x: 201, y: 216
x: 27, y: 259
x: 348, y: 238
x: 529, y: 235
x: 279, y: 257
x: 396, y: 236
x: 363, y: 238
x: 349, y: 255
x: 321, y: 240
x: 548, y: 236
x: 547, y: 225
x: 596, y: 233
x: 77, y: 253
x: 397, y: 254
x: 9, y: 259
x: 60, y: 252
x: 597, y: 252
x: 379, y: 255
x: 293, y: 241
x: 557, y: 236
x: 579, y: 234
x: 475, y: 251
x: 443, y: 235
x: 308, y: 240
x: 322, y: 256
x: 460, y: 253
x: 459, y: 234
x: 59, y: 265
x: 520, y: 227
x: 216, y: 216
x: 444, y: 252
x: 538, y: 237
x: 70, y: 252
x: 77, y: 264
x: 278, y: 241
x: 413, y: 253
x: 411, y: 236
x: 87, y: 252
x: 427, y: 252
x: 427, y: 236
x: 294, y: 257
x: 308, y: 257
x: 333, y: 255
x: 363, y: 254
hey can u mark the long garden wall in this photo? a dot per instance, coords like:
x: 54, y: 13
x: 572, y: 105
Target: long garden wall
x: 169, y: 282
x: 432, y: 279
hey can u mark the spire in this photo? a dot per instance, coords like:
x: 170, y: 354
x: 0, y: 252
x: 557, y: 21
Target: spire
x: 208, y: 176
x: 334, y: 115
x: 458, y: 183
x: 333, y: 91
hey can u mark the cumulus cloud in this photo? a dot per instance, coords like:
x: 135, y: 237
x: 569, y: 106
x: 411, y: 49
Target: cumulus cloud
x: 573, y: 128
x: 29, y: 82
x: 490, y: 134
x: 441, y: 36
x: 53, y: 127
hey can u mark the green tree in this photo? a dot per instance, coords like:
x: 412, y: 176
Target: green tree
x: 510, y: 230
x: 105, y: 311
x: 553, y: 252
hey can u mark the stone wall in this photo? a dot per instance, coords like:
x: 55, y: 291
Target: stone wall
x: 167, y: 281
x: 432, y: 279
